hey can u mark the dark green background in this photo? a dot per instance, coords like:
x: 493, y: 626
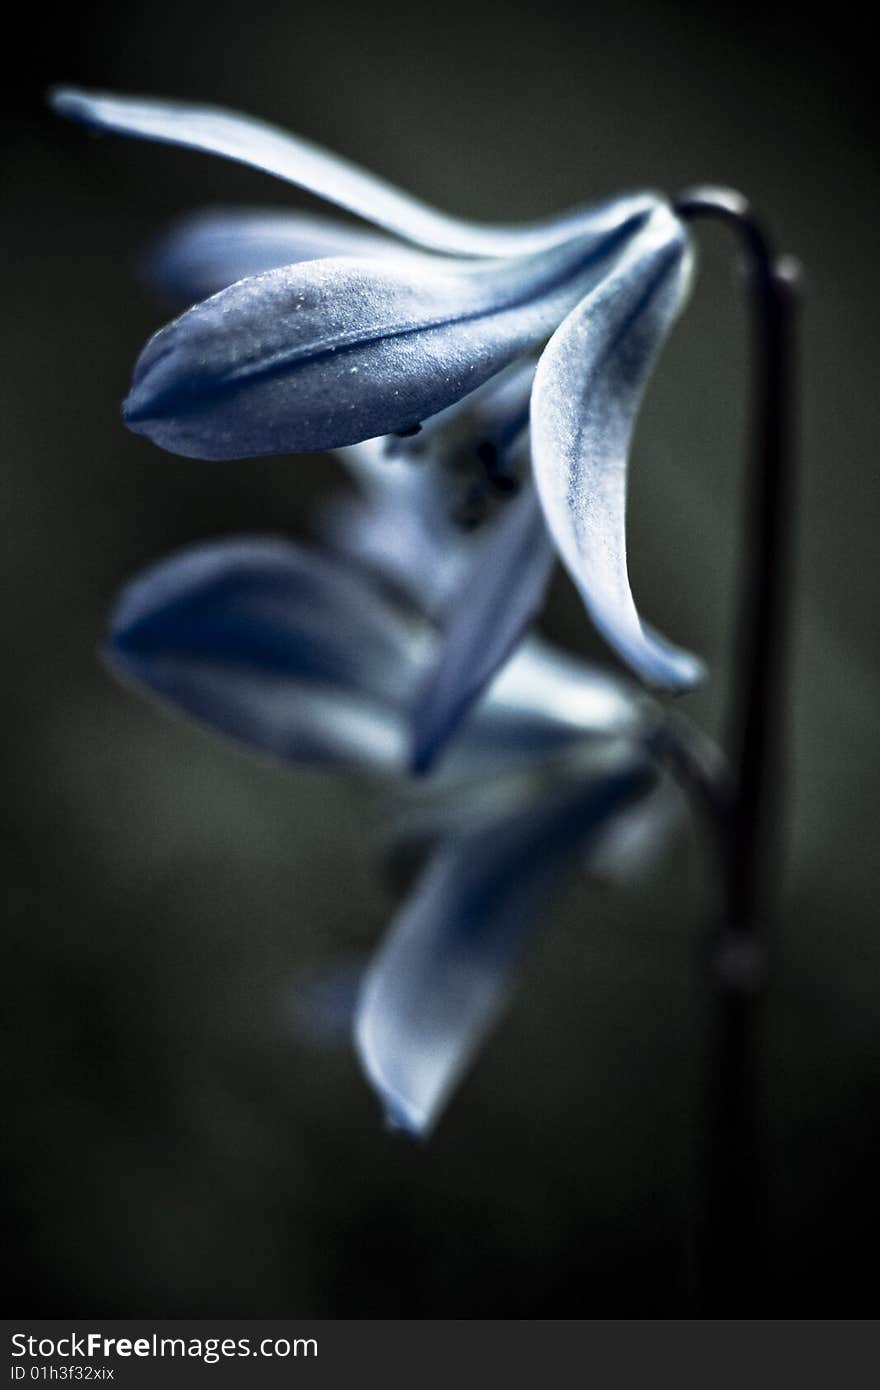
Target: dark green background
x: 175, y: 1146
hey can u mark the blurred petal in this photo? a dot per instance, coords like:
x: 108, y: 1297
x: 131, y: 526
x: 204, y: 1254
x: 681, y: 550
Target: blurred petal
x: 468, y: 796
x: 262, y: 146
x: 545, y: 718
x: 322, y: 1002
x: 588, y: 388
x: 274, y: 646
x: 631, y: 847
x: 499, y: 597
x: 419, y: 553
x: 543, y: 701
x: 315, y: 356
x: 446, y: 966
x: 204, y: 253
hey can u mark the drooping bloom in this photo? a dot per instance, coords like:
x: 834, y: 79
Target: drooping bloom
x: 291, y: 653
x: 318, y: 336
x: 460, y: 370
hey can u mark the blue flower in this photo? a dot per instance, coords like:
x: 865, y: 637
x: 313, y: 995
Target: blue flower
x: 294, y: 654
x: 463, y: 373
x: 294, y: 353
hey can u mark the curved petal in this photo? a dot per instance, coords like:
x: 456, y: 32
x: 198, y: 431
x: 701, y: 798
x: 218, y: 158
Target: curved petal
x: 588, y: 388
x: 203, y: 253
x: 336, y: 351
x: 499, y: 597
x: 443, y: 973
x: 262, y: 146
x: 273, y: 646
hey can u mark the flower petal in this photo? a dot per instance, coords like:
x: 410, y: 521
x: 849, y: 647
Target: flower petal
x: 443, y: 973
x: 546, y: 716
x: 399, y: 544
x: 541, y: 702
x: 332, y: 352
x: 274, y: 646
x: 203, y: 253
x: 499, y: 597
x: 588, y: 388
x: 262, y: 146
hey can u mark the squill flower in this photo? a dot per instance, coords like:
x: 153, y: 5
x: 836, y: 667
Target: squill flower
x: 374, y: 338
x: 292, y: 653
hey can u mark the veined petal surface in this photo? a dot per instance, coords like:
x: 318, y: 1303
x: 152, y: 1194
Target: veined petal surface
x: 336, y: 351
x: 308, y: 166
x: 588, y: 389
x: 274, y: 646
x: 445, y: 969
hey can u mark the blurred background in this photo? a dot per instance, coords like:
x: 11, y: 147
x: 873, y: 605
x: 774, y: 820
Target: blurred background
x: 175, y: 1144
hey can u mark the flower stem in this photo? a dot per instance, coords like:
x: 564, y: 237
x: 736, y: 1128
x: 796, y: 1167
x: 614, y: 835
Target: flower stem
x: 733, y: 1257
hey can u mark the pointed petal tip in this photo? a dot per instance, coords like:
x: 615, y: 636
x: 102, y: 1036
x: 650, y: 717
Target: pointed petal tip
x: 147, y: 413
x: 660, y: 665
x: 72, y: 102
x: 131, y: 615
x: 668, y: 670
x: 690, y: 672
x: 60, y: 98
x: 140, y: 411
x: 140, y: 420
x: 401, y: 1116
x: 163, y: 380
x: 399, y: 1122
x: 132, y: 411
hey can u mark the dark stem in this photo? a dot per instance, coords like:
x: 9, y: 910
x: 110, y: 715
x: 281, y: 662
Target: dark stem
x: 733, y: 1258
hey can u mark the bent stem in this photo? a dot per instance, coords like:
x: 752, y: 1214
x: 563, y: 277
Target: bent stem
x: 733, y: 1257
